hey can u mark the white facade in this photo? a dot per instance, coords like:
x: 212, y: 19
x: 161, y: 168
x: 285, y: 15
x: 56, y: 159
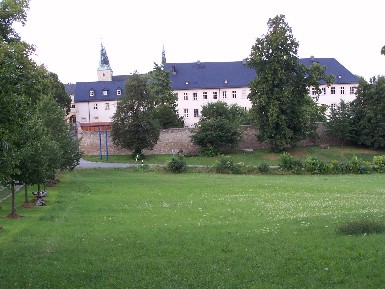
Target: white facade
x: 94, y: 112
x: 190, y: 102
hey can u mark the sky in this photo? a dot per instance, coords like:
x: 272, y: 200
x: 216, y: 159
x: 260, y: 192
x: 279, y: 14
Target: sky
x: 68, y: 34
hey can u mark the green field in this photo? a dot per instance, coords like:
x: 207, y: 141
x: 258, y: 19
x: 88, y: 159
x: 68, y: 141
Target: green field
x: 338, y: 153
x: 120, y: 228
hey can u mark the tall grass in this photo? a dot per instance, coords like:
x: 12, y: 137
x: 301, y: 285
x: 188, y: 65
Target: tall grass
x: 117, y: 228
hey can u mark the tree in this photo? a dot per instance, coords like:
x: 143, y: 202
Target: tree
x: 368, y: 113
x: 340, y: 122
x: 279, y: 93
x: 133, y: 125
x: 218, y: 128
x: 159, y: 85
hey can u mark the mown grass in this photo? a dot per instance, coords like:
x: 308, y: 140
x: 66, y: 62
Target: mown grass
x: 338, y: 153
x: 120, y: 228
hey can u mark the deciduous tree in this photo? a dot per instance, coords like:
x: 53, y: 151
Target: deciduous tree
x: 218, y: 128
x: 134, y: 126
x: 279, y: 93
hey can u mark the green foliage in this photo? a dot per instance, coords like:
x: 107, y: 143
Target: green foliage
x: 167, y: 117
x: 134, y: 126
x: 289, y: 163
x: 264, y: 167
x: 379, y: 163
x: 368, y: 113
x: 159, y: 85
x: 177, y: 164
x: 359, y: 166
x: 281, y: 106
x: 12, y: 12
x: 361, y: 227
x: 340, y: 122
x: 314, y: 166
x: 226, y: 165
x: 218, y: 129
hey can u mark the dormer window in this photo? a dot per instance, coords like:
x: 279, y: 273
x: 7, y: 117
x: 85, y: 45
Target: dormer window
x: 105, y: 92
x: 92, y: 92
x: 118, y: 91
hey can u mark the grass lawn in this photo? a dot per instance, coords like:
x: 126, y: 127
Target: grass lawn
x: 120, y: 228
x: 338, y: 153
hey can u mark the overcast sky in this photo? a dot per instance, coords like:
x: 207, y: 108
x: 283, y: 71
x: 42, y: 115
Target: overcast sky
x: 68, y: 33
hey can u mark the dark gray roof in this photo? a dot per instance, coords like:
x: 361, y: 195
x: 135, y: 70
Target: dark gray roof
x: 204, y: 75
x: 70, y: 88
x: 200, y: 75
x: 82, y: 90
x: 342, y: 75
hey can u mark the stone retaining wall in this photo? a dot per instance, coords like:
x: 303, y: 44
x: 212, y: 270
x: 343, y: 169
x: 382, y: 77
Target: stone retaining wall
x: 176, y: 139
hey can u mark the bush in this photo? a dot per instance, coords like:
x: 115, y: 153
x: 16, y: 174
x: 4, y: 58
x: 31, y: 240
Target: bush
x: 358, y: 166
x: 289, y: 163
x: 226, y: 165
x: 177, y: 164
x: 263, y: 167
x: 314, y: 166
x: 379, y: 163
x: 361, y: 227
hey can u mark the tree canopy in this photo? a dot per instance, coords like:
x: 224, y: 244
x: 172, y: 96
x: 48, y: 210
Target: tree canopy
x: 159, y: 85
x: 218, y: 128
x: 281, y: 105
x: 133, y: 125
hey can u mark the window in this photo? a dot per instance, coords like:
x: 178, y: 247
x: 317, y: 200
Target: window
x: 186, y: 112
x: 342, y: 90
x: 333, y: 90
x: 118, y: 91
x: 333, y: 106
x: 83, y: 119
x: 224, y: 94
x: 323, y: 90
x: 185, y: 95
x: 352, y: 90
x: 92, y: 92
x: 105, y: 92
x: 195, y: 96
x: 313, y: 91
x: 107, y: 107
x: 234, y: 92
x: 196, y: 113
x: 204, y: 95
x: 95, y: 106
x: 215, y: 95
x: 72, y: 105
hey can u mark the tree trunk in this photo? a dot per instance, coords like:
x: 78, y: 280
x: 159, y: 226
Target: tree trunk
x: 13, y: 209
x: 38, y: 188
x: 25, y: 193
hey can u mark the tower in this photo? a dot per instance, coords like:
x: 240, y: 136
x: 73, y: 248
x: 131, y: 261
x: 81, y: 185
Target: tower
x: 104, y: 70
x: 163, y: 57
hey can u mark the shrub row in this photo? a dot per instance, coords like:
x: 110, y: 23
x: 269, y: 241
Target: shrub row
x: 313, y: 165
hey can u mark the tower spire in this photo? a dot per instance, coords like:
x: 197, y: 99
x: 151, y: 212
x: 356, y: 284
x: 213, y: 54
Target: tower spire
x: 104, y: 70
x: 104, y: 62
x: 163, y: 57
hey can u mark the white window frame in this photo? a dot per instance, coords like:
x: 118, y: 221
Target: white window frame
x: 185, y: 95
x: 185, y: 112
x: 205, y: 95
x: 195, y: 96
x: 196, y: 112
x: 215, y: 94
x: 224, y: 94
x: 234, y: 93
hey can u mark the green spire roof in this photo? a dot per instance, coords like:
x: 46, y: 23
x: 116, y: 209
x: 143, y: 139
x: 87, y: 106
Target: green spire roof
x: 104, y: 62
